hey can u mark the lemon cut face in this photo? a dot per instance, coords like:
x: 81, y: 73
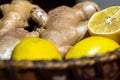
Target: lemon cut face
x: 106, y: 23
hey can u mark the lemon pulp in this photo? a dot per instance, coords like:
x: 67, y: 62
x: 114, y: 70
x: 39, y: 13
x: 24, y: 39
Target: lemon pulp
x: 106, y: 23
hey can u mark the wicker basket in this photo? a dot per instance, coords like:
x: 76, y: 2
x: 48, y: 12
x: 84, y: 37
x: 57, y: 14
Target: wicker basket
x: 104, y: 67
x: 99, y: 67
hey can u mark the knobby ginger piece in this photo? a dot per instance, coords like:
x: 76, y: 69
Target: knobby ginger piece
x: 15, y: 18
x: 9, y: 40
x: 17, y: 13
x: 67, y: 25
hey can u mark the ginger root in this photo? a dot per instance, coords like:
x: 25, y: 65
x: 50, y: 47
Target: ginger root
x: 67, y: 25
x: 16, y: 15
x: 64, y: 25
x: 13, y: 23
x: 39, y: 16
x: 10, y: 39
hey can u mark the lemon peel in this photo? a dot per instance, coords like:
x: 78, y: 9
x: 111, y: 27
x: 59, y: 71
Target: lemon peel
x: 35, y: 49
x: 92, y: 46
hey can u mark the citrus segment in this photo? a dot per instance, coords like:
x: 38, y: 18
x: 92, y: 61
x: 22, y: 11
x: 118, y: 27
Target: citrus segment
x: 106, y: 23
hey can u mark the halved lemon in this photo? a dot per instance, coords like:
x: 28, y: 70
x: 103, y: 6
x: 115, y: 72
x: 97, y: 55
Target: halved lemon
x: 106, y: 23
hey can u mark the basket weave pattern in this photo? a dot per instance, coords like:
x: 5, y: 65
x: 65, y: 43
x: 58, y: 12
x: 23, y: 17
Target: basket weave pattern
x: 105, y: 67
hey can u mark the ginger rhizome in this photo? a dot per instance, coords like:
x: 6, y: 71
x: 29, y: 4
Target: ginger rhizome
x: 9, y: 40
x: 64, y: 25
x: 15, y: 18
x: 67, y: 25
x: 16, y: 15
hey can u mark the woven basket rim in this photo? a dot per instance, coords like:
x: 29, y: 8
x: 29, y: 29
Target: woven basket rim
x: 62, y: 64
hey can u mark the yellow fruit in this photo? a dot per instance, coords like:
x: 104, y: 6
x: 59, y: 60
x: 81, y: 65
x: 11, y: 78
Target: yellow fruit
x: 106, y: 23
x: 91, y: 46
x: 35, y: 49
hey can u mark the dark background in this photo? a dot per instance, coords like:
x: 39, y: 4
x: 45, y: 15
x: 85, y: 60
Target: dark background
x: 48, y: 4
x: 45, y: 4
x: 107, y: 3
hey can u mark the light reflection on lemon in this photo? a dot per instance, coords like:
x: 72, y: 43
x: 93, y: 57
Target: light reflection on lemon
x: 91, y: 46
x: 35, y: 49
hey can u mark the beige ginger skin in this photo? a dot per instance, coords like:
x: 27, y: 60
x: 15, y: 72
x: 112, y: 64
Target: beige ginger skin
x: 64, y: 25
x: 67, y: 25
x: 15, y: 18
x: 17, y: 13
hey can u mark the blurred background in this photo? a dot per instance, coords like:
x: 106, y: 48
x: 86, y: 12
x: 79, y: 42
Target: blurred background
x: 104, y: 3
x: 47, y: 4
x: 50, y: 4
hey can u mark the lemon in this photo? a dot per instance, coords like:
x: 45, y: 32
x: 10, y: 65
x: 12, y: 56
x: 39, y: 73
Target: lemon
x: 35, y: 49
x: 91, y: 46
x: 106, y: 23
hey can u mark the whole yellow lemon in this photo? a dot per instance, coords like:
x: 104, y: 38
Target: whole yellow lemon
x: 91, y: 46
x: 35, y: 49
